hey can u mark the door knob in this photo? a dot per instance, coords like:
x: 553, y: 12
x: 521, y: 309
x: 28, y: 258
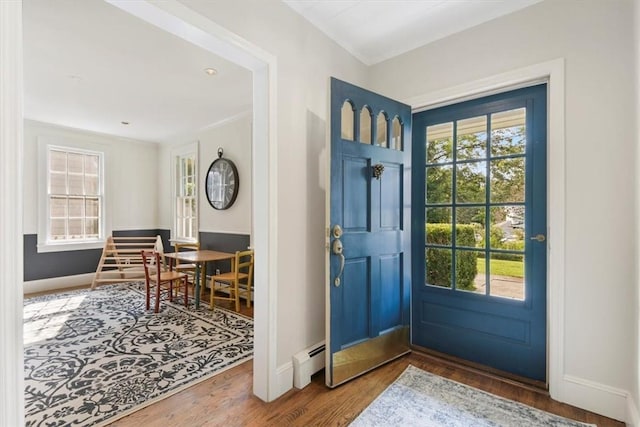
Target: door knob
x: 538, y: 237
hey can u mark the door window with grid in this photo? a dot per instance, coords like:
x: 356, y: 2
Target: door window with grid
x: 475, y: 203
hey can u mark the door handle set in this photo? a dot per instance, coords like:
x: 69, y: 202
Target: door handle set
x: 337, y: 249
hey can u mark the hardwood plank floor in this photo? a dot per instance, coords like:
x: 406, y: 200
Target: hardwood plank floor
x: 227, y: 400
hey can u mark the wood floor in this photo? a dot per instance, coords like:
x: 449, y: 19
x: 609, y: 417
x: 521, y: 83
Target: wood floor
x: 227, y: 399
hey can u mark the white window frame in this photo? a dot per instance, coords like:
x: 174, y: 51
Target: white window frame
x: 188, y: 150
x: 45, y: 146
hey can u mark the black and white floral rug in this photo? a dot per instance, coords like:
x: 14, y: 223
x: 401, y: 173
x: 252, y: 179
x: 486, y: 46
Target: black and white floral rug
x: 419, y: 398
x: 94, y: 356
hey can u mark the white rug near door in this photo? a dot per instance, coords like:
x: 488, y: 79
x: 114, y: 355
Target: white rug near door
x: 419, y: 398
x: 94, y: 356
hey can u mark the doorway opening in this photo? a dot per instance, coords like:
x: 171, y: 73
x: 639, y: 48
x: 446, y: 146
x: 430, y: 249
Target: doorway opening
x: 178, y: 20
x: 190, y: 26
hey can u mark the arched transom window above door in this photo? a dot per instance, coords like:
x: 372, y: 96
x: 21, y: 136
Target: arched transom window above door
x: 357, y: 125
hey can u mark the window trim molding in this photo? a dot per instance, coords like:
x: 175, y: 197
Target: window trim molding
x: 176, y: 152
x: 46, y: 143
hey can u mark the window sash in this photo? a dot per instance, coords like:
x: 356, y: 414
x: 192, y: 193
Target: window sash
x: 74, y: 195
x: 186, y: 202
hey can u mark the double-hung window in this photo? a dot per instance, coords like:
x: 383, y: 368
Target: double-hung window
x: 186, y: 201
x: 75, y: 200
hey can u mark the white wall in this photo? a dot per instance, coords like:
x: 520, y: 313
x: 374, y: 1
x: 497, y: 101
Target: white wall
x: 234, y: 137
x: 305, y: 60
x: 596, y: 40
x: 130, y: 175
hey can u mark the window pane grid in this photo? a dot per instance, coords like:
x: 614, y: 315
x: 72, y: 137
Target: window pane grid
x: 74, y: 195
x: 475, y: 181
x: 186, y: 198
x: 509, y: 156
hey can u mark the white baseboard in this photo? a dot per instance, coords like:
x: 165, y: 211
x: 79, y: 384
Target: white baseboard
x: 595, y: 397
x: 633, y: 416
x: 55, y: 283
x: 284, y: 379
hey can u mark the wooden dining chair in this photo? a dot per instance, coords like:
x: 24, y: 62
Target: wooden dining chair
x: 229, y: 283
x: 186, y: 267
x: 156, y: 278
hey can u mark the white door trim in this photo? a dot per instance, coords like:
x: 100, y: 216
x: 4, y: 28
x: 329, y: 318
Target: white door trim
x: 553, y: 72
x: 11, y: 208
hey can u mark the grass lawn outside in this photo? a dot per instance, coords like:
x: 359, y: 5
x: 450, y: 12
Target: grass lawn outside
x: 500, y: 267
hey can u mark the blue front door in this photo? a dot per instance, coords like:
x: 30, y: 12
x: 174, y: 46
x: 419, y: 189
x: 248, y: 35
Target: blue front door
x: 479, y: 237
x: 369, y: 236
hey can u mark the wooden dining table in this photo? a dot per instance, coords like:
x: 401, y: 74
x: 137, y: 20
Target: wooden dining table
x: 200, y: 259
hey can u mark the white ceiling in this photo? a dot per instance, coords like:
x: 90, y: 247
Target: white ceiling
x: 376, y: 30
x: 89, y: 65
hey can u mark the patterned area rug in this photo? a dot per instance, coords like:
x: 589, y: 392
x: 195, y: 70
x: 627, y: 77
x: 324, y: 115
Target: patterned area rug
x: 94, y: 356
x: 419, y: 398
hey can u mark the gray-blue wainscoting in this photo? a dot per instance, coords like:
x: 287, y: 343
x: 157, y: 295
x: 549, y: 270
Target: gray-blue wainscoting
x: 48, y: 265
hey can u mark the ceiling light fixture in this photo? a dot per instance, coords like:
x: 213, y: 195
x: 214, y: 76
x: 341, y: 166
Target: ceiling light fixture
x: 211, y: 71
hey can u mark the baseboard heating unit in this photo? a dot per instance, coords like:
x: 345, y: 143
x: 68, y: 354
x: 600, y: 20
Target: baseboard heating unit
x: 307, y: 363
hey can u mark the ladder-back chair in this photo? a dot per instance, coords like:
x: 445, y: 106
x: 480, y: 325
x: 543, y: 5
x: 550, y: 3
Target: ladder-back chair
x: 186, y: 267
x: 229, y: 283
x: 156, y: 278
